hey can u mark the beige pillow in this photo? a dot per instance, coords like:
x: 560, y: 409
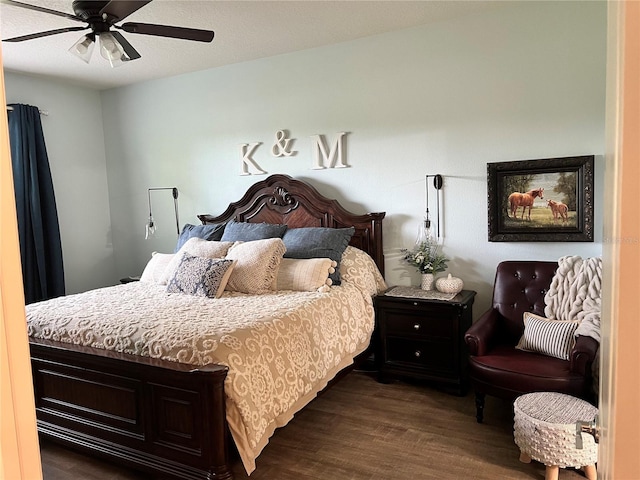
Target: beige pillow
x: 155, y: 267
x: 197, y: 247
x: 256, y: 265
x: 305, y: 275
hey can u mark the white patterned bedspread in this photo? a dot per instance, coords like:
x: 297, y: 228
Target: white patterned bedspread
x: 281, y: 347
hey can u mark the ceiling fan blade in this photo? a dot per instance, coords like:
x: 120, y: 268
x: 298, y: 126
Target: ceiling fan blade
x: 131, y: 52
x: 42, y: 9
x: 168, y: 31
x: 120, y: 9
x: 44, y: 34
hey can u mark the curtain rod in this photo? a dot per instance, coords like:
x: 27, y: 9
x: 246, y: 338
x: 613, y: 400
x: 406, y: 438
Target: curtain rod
x: 42, y: 112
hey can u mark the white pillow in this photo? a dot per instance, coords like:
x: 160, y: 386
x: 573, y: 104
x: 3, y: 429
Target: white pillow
x: 197, y: 247
x: 555, y: 338
x: 256, y: 265
x: 305, y: 275
x: 155, y: 267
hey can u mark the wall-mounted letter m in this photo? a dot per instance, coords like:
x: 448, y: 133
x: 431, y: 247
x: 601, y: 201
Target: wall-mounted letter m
x: 335, y: 158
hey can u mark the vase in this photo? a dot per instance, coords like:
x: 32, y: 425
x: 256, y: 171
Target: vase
x: 427, y: 281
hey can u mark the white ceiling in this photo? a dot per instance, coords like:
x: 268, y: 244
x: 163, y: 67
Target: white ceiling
x: 244, y: 30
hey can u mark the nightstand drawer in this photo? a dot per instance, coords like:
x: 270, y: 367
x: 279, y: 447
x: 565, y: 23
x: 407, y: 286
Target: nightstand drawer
x: 409, y: 306
x: 402, y: 324
x: 434, y: 356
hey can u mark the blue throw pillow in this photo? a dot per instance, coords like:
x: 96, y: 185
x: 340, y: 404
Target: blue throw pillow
x: 247, y: 232
x: 206, y: 232
x: 318, y: 242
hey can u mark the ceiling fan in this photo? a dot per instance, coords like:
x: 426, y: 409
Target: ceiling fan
x: 100, y: 17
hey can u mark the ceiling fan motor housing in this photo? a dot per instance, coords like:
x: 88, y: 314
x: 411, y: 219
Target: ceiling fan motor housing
x: 89, y: 11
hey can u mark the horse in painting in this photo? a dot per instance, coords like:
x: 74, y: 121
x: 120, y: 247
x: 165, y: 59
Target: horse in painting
x: 559, y: 210
x: 524, y: 200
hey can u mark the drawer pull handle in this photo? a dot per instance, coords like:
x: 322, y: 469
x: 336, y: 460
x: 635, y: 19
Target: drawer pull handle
x: 416, y: 326
x: 415, y: 304
x: 417, y: 353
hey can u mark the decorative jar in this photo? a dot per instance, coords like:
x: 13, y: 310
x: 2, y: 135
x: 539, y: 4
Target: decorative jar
x: 449, y: 284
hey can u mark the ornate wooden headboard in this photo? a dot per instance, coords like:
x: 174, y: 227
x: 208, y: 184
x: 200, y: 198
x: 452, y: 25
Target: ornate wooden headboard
x: 283, y: 199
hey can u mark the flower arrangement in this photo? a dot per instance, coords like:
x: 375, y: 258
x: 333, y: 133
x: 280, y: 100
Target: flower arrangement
x: 426, y: 257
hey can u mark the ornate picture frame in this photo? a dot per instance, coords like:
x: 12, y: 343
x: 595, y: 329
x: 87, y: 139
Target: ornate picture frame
x: 544, y: 200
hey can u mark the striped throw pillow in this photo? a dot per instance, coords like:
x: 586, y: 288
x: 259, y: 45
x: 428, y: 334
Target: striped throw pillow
x: 555, y: 338
x: 304, y: 275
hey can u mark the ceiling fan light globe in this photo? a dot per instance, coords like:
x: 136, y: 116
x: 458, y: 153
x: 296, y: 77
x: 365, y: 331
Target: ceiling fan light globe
x: 111, y: 50
x: 83, y: 48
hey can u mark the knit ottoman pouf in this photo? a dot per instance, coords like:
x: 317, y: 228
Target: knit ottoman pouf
x: 545, y: 430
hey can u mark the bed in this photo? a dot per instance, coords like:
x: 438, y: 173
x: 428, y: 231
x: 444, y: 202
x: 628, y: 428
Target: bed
x: 174, y: 411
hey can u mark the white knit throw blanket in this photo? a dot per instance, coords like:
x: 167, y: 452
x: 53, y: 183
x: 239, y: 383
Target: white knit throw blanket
x: 575, y: 294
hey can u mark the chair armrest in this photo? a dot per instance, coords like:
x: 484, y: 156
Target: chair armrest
x: 583, y: 355
x: 480, y: 336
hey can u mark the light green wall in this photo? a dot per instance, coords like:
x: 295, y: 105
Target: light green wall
x: 523, y: 81
x: 74, y: 137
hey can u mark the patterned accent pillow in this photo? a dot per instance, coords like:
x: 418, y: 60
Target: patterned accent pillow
x: 155, y: 268
x: 318, y: 242
x: 256, y: 266
x: 554, y: 338
x: 304, y: 275
x: 199, y: 248
x: 200, y: 276
x: 248, y: 232
x: 212, y: 231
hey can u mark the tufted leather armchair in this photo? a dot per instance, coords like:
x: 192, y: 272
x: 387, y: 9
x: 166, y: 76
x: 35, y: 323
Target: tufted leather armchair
x: 495, y: 366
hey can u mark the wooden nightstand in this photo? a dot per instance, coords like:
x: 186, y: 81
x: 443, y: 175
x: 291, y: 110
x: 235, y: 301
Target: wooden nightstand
x: 423, y: 339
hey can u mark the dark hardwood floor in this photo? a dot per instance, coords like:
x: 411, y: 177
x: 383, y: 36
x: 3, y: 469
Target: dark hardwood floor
x: 363, y: 430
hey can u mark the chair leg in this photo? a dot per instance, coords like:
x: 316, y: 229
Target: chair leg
x: 524, y: 457
x: 590, y: 472
x: 479, y: 407
x: 551, y: 472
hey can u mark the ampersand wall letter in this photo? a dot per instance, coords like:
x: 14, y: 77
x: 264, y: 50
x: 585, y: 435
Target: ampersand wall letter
x: 281, y: 147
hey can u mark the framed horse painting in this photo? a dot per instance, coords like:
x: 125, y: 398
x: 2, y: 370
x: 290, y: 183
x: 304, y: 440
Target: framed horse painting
x: 545, y: 200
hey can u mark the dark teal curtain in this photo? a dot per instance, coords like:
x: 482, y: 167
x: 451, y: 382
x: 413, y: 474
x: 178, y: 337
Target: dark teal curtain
x: 38, y: 229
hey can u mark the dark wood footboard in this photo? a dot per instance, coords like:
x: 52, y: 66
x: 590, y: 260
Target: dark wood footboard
x: 161, y: 417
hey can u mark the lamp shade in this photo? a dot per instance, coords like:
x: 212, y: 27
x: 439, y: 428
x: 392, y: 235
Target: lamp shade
x: 83, y: 48
x: 111, y: 50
